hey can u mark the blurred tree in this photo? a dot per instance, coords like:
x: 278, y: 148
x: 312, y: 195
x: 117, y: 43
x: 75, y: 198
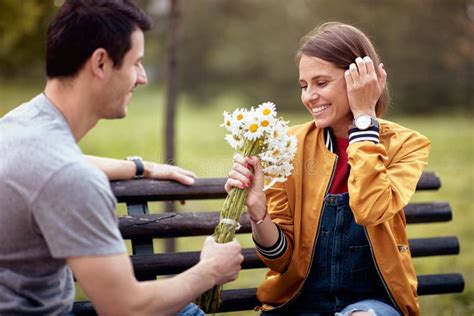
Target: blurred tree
x: 426, y: 47
x: 22, y: 28
x: 246, y: 48
x: 172, y: 94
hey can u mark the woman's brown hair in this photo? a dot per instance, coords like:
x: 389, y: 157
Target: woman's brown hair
x: 341, y: 44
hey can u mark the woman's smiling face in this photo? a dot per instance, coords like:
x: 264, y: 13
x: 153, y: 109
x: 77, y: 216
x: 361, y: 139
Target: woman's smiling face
x: 324, y: 94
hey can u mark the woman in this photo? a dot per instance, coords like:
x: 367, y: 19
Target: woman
x: 334, y: 235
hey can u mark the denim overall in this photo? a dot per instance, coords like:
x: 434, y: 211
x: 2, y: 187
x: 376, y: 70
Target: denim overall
x: 343, y: 271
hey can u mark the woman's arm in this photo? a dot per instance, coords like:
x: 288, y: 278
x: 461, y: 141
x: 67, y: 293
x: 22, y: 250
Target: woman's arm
x: 272, y: 244
x: 379, y: 185
x: 247, y: 173
x: 117, y: 169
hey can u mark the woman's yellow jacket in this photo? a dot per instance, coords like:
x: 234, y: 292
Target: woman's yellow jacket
x: 382, y: 180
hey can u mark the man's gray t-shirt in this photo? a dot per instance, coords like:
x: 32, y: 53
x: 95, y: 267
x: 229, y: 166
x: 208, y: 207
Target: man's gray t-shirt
x: 53, y: 205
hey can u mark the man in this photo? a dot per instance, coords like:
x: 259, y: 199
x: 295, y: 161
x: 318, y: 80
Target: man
x: 57, y: 209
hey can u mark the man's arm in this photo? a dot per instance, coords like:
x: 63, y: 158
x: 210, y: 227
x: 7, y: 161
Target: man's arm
x: 110, y: 283
x: 117, y: 169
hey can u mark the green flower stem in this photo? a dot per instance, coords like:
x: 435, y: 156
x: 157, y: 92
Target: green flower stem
x: 231, y: 209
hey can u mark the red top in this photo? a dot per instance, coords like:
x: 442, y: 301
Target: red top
x: 341, y: 174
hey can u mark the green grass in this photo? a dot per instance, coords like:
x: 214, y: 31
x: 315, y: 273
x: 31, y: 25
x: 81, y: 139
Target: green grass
x: 200, y: 147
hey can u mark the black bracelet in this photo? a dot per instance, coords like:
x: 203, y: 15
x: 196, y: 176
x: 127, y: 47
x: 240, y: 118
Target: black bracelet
x: 140, y: 168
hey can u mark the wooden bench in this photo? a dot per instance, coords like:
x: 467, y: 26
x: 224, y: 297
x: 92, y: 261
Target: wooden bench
x: 141, y: 227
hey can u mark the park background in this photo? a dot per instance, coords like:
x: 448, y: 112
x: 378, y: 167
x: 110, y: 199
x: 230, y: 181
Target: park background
x: 241, y: 53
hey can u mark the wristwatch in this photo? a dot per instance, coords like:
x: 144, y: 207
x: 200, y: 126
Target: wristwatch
x: 363, y: 122
x: 139, y: 164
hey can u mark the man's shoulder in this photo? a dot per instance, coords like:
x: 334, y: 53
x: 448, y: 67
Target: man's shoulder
x: 37, y: 156
x: 40, y: 152
x: 36, y: 142
x: 81, y: 171
x: 76, y: 183
x: 25, y: 112
x: 34, y: 120
x: 80, y: 180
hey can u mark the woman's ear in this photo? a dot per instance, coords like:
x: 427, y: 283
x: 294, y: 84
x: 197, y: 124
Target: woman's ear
x: 99, y: 62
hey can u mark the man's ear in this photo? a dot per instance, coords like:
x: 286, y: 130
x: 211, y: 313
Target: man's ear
x: 99, y: 62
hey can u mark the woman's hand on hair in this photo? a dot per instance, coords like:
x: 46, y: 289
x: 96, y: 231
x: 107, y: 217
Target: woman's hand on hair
x: 364, y: 87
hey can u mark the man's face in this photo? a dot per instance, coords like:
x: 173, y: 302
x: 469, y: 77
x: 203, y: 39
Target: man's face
x: 122, y: 81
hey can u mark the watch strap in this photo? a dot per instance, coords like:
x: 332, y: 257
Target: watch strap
x: 374, y: 122
x: 140, y: 168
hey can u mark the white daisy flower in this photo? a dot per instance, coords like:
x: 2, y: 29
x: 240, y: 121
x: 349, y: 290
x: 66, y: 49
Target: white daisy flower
x: 267, y: 158
x: 267, y: 109
x: 265, y: 121
x: 279, y: 129
x: 286, y: 168
x: 227, y: 121
x: 239, y: 116
x: 252, y: 128
x: 253, y: 131
x: 276, y: 148
x: 235, y: 141
x: 291, y: 144
x: 271, y: 170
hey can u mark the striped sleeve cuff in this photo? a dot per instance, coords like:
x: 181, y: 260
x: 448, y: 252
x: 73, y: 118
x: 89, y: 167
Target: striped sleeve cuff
x: 371, y: 134
x: 275, y: 251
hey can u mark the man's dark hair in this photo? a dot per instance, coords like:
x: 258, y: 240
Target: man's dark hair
x: 82, y: 26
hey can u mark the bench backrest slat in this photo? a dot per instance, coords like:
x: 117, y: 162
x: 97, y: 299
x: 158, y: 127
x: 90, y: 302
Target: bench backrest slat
x: 245, y: 299
x: 173, y: 263
x: 132, y: 191
x: 168, y: 225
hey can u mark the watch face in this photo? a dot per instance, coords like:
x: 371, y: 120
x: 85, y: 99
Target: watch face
x: 362, y: 122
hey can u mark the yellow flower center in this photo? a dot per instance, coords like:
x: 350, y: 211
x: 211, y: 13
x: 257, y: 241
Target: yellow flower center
x: 266, y: 111
x: 265, y: 123
x: 227, y: 123
x: 240, y: 117
x: 253, y: 128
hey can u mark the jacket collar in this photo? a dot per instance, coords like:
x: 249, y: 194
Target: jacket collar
x: 329, y: 140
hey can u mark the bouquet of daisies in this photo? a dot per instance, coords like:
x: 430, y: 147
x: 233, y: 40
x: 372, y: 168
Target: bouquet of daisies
x: 255, y: 132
